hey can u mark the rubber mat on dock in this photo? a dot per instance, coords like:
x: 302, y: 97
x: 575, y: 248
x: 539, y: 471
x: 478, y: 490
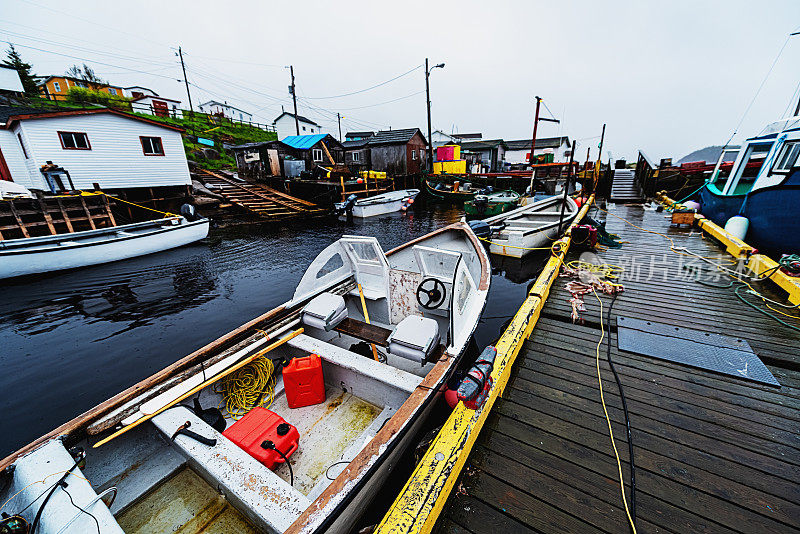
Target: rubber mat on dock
x: 695, y: 348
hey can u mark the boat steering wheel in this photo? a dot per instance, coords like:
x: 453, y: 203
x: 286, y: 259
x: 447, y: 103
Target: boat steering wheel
x: 431, y: 293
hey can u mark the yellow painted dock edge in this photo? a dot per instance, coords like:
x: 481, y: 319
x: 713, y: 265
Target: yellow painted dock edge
x: 758, y: 263
x: 423, y: 497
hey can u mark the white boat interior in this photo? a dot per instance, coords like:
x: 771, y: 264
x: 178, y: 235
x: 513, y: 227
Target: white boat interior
x: 389, y: 329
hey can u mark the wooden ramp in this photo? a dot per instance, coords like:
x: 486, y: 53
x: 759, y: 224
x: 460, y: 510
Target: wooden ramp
x: 713, y: 453
x: 26, y: 217
x: 264, y: 201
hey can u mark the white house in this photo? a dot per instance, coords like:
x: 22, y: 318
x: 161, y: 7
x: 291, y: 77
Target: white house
x: 157, y: 105
x: 285, y: 125
x: 103, y: 146
x: 518, y: 151
x: 212, y: 107
x: 439, y: 138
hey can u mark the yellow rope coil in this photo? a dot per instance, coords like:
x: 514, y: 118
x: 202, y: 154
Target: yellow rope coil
x: 241, y: 390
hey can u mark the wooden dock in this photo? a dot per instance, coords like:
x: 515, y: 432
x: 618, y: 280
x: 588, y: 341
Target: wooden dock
x: 261, y: 200
x: 713, y: 453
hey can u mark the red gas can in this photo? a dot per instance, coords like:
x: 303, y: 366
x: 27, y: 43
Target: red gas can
x: 303, y: 381
x: 257, y: 429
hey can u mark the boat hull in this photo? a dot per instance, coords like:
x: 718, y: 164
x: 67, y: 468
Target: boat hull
x: 772, y: 213
x: 518, y: 245
x: 77, y: 250
x: 368, y: 207
x: 452, y: 196
x: 494, y: 208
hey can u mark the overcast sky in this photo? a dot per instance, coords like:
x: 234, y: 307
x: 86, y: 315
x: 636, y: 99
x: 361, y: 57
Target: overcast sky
x: 666, y: 77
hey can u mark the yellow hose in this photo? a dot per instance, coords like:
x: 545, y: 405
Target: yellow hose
x: 252, y: 385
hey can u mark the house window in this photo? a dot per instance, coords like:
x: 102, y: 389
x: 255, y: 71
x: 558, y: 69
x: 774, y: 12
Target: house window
x: 74, y: 141
x: 312, y: 130
x: 56, y: 87
x: 21, y: 144
x: 316, y: 154
x: 787, y: 157
x: 112, y: 90
x: 151, y: 146
x: 414, y: 155
x: 356, y: 156
x: 304, y: 128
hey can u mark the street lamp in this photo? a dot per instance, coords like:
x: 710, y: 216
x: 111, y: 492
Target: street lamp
x: 428, y: 95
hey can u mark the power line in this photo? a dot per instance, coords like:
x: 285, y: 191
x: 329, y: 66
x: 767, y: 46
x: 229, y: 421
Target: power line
x: 382, y: 103
x: 91, y: 60
x: 364, y: 90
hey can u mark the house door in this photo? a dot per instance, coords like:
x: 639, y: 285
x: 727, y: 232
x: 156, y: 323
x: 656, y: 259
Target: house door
x: 5, y: 174
x: 160, y: 108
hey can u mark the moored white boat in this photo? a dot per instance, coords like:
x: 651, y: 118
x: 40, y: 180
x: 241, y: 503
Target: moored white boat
x: 533, y: 226
x: 382, y: 375
x: 380, y: 204
x: 32, y: 255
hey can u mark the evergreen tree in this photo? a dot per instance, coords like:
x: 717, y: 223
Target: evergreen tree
x: 14, y: 61
x: 86, y: 74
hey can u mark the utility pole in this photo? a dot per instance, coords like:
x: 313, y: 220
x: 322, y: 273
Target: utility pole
x: 294, y: 99
x: 339, y: 118
x: 429, y: 164
x: 183, y: 66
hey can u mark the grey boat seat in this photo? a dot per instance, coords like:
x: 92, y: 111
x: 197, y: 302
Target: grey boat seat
x: 415, y: 338
x: 325, y: 311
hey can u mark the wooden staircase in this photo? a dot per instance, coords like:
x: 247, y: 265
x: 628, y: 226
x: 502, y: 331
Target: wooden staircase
x: 264, y: 201
x: 624, y: 188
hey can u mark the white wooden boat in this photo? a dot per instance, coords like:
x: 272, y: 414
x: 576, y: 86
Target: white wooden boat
x: 515, y: 232
x: 424, y: 300
x: 381, y: 204
x: 34, y: 255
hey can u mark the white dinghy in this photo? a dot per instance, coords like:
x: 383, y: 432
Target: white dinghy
x: 380, y: 204
x: 32, y: 255
x: 389, y: 329
x: 530, y: 227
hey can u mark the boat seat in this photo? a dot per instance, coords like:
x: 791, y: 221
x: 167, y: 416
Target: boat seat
x: 364, y: 331
x: 415, y: 338
x: 381, y: 384
x: 267, y: 500
x: 325, y: 311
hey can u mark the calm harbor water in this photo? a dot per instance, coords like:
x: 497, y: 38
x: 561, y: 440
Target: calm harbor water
x: 71, y: 340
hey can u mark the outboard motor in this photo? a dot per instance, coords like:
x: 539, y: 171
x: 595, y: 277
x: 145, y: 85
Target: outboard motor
x: 481, y: 202
x: 189, y: 213
x: 481, y: 229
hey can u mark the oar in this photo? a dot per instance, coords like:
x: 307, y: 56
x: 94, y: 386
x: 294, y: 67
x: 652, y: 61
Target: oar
x: 197, y: 388
x: 366, y: 320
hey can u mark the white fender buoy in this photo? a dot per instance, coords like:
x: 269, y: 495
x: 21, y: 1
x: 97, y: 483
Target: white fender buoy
x: 692, y: 205
x: 737, y: 226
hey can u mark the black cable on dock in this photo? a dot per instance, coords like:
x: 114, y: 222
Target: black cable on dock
x: 625, y: 411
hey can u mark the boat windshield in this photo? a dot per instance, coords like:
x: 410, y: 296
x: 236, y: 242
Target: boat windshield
x: 723, y: 168
x: 748, y: 169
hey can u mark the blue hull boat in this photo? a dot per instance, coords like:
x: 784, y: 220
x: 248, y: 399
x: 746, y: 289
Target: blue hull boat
x: 763, y: 186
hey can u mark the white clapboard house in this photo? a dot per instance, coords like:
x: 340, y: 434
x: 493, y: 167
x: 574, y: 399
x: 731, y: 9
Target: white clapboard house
x: 98, y: 146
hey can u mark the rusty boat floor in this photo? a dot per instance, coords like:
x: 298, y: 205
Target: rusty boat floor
x: 713, y: 453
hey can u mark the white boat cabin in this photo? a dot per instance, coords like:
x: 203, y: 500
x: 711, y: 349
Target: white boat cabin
x: 762, y: 161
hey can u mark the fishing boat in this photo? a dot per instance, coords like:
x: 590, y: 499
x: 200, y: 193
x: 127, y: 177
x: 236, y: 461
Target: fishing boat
x: 763, y: 186
x: 375, y: 337
x: 529, y: 227
x: 491, y: 204
x: 32, y: 255
x: 379, y: 204
x: 453, y: 193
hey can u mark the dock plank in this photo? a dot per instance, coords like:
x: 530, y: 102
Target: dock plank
x: 714, y: 453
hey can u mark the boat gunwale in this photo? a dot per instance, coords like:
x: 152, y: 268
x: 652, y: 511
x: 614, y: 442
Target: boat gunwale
x: 17, y: 244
